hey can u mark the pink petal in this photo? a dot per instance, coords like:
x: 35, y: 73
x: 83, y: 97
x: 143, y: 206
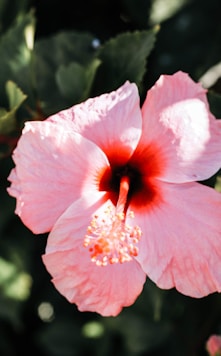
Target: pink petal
x: 176, y: 119
x: 110, y: 120
x: 53, y: 167
x: 181, y: 244
x: 104, y: 290
x: 213, y: 345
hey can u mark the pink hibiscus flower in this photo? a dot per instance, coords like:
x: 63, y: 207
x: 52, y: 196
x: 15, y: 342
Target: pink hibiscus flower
x: 213, y: 345
x: 115, y: 186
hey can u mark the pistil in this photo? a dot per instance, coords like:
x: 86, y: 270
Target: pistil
x: 109, y: 238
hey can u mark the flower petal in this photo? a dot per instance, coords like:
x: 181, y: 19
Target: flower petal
x: 110, y: 120
x: 101, y: 289
x: 53, y: 167
x: 176, y: 119
x: 213, y: 345
x: 181, y: 245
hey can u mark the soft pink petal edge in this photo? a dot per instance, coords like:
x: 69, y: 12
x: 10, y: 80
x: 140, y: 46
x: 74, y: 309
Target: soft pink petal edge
x: 53, y: 166
x: 110, y: 120
x: 177, y: 119
x: 105, y: 290
x: 181, y: 245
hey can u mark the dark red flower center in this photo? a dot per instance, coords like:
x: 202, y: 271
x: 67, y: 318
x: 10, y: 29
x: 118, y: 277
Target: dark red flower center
x: 132, y: 189
x: 142, y: 190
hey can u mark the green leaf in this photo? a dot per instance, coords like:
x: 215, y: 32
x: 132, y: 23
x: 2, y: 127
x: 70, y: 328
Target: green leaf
x: 61, y: 77
x: 16, y: 54
x: 9, y: 10
x: 74, y: 80
x: 124, y: 58
x: 3, y: 112
x: 15, y: 98
x: 90, y: 73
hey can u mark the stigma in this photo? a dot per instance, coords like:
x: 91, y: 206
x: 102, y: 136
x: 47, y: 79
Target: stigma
x: 109, y: 238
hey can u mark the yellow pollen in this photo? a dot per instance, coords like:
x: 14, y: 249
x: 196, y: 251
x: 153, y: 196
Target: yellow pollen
x: 110, y: 240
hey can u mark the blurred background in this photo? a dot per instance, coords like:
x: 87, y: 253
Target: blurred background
x: 54, y: 54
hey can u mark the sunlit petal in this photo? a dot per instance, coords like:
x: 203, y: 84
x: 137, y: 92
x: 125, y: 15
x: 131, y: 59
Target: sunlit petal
x: 53, y: 167
x: 181, y: 246
x: 177, y: 121
x: 110, y: 120
x: 93, y: 288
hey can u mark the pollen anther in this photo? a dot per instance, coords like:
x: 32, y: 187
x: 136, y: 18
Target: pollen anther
x: 110, y: 240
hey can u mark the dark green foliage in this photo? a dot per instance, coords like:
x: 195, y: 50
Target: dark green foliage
x: 124, y: 58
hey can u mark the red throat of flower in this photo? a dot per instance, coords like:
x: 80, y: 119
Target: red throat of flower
x: 109, y: 239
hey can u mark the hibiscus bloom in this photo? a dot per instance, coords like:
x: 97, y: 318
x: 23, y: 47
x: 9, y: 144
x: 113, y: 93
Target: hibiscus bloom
x: 115, y: 186
x: 213, y: 345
